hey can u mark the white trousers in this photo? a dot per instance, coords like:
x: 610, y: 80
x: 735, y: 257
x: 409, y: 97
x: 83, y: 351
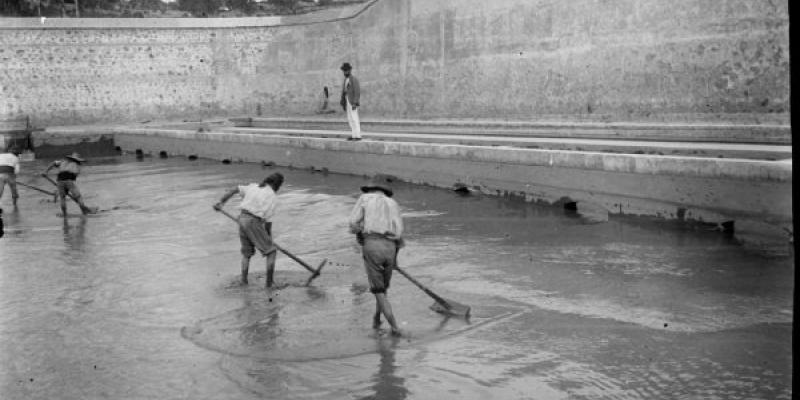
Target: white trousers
x: 352, y: 119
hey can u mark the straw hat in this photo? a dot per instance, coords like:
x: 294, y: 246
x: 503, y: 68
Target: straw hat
x: 380, y: 182
x: 76, y: 157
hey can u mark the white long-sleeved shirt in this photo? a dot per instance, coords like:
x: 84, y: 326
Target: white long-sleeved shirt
x: 9, y: 160
x: 259, y: 201
x: 375, y: 212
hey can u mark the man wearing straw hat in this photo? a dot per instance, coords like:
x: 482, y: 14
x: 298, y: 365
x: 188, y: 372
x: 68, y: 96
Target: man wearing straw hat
x: 9, y: 168
x: 378, y: 226
x: 68, y: 169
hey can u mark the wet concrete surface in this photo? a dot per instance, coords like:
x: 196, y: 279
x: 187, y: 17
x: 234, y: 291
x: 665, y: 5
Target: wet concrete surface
x: 142, y: 300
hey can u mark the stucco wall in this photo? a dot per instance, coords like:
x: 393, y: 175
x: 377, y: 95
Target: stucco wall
x: 619, y: 60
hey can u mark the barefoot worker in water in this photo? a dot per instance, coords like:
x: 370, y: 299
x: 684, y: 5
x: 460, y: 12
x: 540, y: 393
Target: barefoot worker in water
x: 255, y: 226
x: 378, y: 226
x: 68, y: 169
x: 9, y: 168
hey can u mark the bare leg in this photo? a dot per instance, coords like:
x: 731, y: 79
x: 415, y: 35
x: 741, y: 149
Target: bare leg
x: 14, y: 195
x: 245, y: 268
x: 84, y: 208
x: 376, y: 319
x: 63, y: 200
x: 386, y: 309
x: 270, y: 268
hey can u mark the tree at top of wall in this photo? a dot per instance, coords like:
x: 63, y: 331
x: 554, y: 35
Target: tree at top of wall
x: 31, y: 8
x: 19, y: 7
x: 288, y: 5
x: 200, y: 8
x: 246, y: 6
x: 128, y: 8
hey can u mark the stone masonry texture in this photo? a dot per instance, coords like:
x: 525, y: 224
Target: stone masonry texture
x: 617, y: 60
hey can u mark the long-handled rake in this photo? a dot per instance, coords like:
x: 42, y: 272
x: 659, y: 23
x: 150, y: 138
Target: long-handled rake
x: 37, y: 189
x: 441, y: 305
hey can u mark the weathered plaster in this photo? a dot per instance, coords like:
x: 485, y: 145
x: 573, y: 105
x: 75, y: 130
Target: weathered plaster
x: 618, y: 60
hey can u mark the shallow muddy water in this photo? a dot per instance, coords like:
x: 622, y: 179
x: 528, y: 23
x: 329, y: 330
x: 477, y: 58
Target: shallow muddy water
x: 141, y: 301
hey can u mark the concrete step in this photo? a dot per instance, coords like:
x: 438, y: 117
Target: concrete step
x: 662, y: 132
x: 696, y: 149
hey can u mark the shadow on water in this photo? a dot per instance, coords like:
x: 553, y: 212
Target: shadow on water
x: 387, y: 385
x: 262, y: 320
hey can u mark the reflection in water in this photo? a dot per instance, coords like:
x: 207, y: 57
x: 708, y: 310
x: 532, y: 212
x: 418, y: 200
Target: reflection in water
x: 74, y: 235
x: 261, y: 320
x: 386, y: 384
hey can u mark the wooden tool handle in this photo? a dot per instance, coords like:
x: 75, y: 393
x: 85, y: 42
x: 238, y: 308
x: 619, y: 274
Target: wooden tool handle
x: 436, y: 297
x: 281, y: 249
x: 36, y: 188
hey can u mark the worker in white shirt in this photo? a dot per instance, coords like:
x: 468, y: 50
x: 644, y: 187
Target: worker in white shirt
x: 9, y: 168
x: 255, y: 221
x: 378, y: 225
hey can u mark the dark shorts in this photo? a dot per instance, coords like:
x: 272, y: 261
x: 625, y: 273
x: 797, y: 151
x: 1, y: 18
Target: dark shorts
x: 380, y: 257
x: 254, y: 233
x: 70, y: 187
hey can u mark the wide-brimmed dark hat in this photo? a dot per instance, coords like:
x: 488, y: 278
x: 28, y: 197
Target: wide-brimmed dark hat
x: 346, y: 67
x: 76, y: 157
x: 380, y: 182
x: 274, y: 179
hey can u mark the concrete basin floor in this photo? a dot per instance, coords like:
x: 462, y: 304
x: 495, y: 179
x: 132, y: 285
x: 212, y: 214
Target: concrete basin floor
x: 142, y: 300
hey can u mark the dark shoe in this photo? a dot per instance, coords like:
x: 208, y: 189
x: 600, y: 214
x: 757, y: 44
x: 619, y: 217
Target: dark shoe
x: 356, y: 139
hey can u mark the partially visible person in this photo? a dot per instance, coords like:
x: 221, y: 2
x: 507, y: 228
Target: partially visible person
x: 255, y: 221
x: 69, y: 168
x: 351, y: 96
x: 378, y: 225
x: 9, y: 168
x: 323, y: 104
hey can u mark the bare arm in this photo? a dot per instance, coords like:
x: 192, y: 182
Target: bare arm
x: 227, y: 196
x: 49, y: 167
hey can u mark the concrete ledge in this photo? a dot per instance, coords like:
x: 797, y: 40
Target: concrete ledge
x: 756, y: 194
x: 699, y: 149
x: 95, y: 141
x: 768, y: 133
x: 756, y: 170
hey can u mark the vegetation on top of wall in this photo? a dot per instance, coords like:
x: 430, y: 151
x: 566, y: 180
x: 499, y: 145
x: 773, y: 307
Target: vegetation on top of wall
x: 162, y: 8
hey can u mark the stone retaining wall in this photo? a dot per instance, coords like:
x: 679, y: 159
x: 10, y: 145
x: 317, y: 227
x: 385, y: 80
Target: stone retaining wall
x: 619, y: 60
